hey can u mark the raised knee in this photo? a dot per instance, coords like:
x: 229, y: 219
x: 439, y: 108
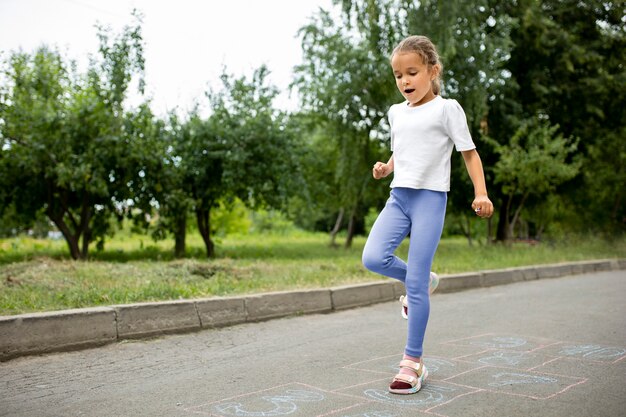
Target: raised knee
x: 375, y: 262
x: 370, y: 262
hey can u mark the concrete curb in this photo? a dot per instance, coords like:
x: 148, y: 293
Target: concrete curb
x: 36, y: 333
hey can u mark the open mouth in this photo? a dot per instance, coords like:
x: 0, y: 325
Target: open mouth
x: 409, y: 90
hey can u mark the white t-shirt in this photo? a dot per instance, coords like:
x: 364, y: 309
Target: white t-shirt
x: 422, y: 138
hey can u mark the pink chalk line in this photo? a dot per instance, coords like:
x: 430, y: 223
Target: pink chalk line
x: 471, y: 370
x: 454, y: 398
x: 449, y: 342
x: 581, y: 381
x: 237, y: 396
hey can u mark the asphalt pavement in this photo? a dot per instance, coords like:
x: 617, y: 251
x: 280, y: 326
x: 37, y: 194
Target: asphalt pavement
x: 549, y: 347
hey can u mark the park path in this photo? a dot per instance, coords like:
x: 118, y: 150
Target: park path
x: 551, y: 347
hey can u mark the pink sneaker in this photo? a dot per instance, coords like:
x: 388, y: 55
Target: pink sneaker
x: 433, y: 283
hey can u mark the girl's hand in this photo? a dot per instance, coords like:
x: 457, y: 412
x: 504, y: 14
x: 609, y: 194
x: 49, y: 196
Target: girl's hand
x: 381, y: 170
x: 483, y: 207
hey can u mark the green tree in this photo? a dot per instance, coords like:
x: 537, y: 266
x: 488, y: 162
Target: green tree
x: 345, y: 82
x: 243, y: 150
x: 568, y: 65
x: 346, y: 79
x: 195, y: 176
x: 260, y: 164
x: 63, y: 138
x: 533, y: 164
x: 474, y: 42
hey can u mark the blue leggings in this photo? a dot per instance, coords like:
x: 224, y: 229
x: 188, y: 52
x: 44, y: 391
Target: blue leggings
x: 420, y: 212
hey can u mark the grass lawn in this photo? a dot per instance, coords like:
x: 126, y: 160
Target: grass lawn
x: 37, y: 275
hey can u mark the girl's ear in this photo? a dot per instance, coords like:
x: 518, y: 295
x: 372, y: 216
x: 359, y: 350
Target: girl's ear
x: 434, y: 71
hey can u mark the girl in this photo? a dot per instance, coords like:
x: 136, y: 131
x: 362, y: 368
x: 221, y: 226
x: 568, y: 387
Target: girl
x: 424, y: 129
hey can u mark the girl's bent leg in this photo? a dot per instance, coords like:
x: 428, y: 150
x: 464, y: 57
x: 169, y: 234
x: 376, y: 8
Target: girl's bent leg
x: 390, y: 228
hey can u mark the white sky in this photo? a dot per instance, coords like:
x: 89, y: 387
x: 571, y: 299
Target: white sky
x: 187, y: 42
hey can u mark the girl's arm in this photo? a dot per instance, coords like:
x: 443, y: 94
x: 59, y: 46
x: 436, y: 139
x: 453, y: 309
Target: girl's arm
x: 381, y: 170
x: 482, y: 205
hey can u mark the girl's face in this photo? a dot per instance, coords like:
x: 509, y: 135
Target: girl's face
x: 413, y: 77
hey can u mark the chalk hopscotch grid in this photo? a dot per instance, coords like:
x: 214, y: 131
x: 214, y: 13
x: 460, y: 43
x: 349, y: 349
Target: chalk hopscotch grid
x: 571, y: 350
x: 195, y: 409
x: 620, y: 355
x: 472, y: 358
x: 434, y: 399
x: 534, y: 397
x: 393, y: 366
x: 432, y: 384
x: 509, y: 341
x: 353, y: 365
x: 192, y: 409
x: 576, y: 352
x: 361, y: 400
x: 591, y: 353
x: 477, y: 366
x: 550, y: 359
x: 429, y: 410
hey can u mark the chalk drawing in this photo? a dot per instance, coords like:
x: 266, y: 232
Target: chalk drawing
x: 502, y: 342
x: 283, y: 404
x: 433, y: 365
x: 510, y: 378
x: 430, y: 394
x: 504, y: 358
x: 374, y: 414
x: 593, y: 351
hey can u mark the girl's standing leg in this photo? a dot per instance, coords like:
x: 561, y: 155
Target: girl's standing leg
x: 427, y: 210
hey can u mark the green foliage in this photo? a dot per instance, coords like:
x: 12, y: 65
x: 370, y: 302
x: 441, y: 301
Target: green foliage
x: 259, y: 164
x: 64, y: 144
x: 535, y: 160
x: 346, y: 86
x: 604, y: 177
x: 14, y: 223
x: 567, y: 65
x: 243, y: 153
x: 73, y: 151
x: 346, y: 80
x: 534, y: 163
x: 231, y: 218
x: 270, y: 221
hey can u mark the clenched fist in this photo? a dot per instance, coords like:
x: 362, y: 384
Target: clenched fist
x: 381, y: 170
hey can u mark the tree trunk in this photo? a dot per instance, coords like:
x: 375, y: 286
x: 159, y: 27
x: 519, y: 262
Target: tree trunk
x: 203, y: 217
x: 516, y: 215
x: 85, y: 219
x: 70, y: 238
x: 85, y: 243
x: 469, y: 230
x: 351, y: 222
x: 333, y: 233
x: 539, y: 233
x: 180, y: 235
x: 502, y: 234
x: 58, y: 211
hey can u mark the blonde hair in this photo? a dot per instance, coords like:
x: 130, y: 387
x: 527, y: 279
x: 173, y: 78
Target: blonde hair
x: 424, y: 47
